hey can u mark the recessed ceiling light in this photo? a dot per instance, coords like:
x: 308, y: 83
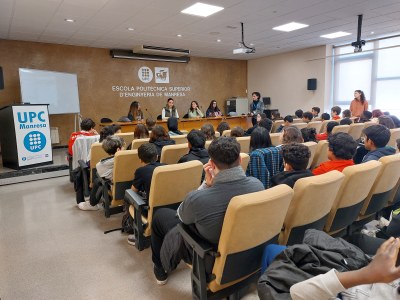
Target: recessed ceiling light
x: 335, y: 35
x: 130, y: 29
x: 219, y: 41
x: 290, y: 27
x: 69, y: 20
x: 372, y: 32
x: 179, y: 35
x: 251, y: 44
x: 201, y: 9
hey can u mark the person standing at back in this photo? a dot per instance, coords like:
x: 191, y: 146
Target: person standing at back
x: 359, y: 104
x: 257, y: 106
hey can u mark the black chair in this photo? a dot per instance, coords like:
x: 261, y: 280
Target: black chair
x: 105, y: 120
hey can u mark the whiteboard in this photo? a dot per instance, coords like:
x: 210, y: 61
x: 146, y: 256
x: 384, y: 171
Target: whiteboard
x: 59, y: 90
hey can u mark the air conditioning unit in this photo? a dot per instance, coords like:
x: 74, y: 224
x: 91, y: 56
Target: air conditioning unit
x: 236, y: 106
x: 128, y: 54
x: 154, y: 50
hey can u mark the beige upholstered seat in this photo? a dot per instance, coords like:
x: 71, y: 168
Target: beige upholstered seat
x: 394, y: 135
x: 341, y: 128
x: 300, y: 126
x: 179, y: 139
x: 324, y: 123
x: 226, y: 132
x: 97, y: 153
x: 369, y: 123
x: 138, y: 142
x: 244, y: 142
x: 207, y: 144
x: 315, y: 124
x: 169, y: 186
x: 276, y: 125
x: 170, y: 154
x: 312, y: 201
x: 217, y: 134
x: 251, y: 222
x: 127, y: 137
x: 275, y: 138
x: 321, y: 154
x: 312, y: 146
x: 245, y: 160
x: 382, y: 191
x: 297, y: 121
x: 355, y: 130
x: 125, y: 164
x: 355, y: 188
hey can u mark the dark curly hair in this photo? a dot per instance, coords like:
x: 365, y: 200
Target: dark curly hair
x: 296, y: 155
x: 342, y: 145
x: 309, y: 134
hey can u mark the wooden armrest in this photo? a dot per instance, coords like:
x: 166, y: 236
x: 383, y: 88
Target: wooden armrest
x: 199, y: 245
x: 134, y: 199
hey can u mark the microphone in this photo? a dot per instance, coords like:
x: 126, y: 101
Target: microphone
x: 151, y: 116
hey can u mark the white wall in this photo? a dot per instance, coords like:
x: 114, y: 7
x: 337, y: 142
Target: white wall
x: 283, y: 77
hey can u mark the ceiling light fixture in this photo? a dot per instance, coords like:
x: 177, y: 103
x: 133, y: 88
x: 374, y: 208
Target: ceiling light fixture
x: 69, y: 20
x: 179, y: 35
x: 290, y: 27
x: 335, y: 35
x: 219, y: 41
x: 130, y: 29
x: 202, y: 10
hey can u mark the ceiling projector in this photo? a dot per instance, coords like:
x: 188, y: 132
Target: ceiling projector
x: 243, y: 50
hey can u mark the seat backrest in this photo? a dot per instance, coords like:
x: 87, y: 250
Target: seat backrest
x: 369, y: 123
x: 394, y: 135
x: 207, y: 144
x: 251, y: 221
x: 381, y: 192
x: 355, y: 130
x: 298, y: 121
x: 97, y: 153
x: 125, y: 164
x: 274, y: 138
x: 321, y: 154
x: 357, y: 183
x: 315, y: 124
x: 170, y: 184
x: 217, y: 134
x: 170, y: 154
x: 138, y: 142
x: 323, y: 125
x: 341, y: 128
x: 276, y: 125
x: 312, y: 201
x: 312, y: 146
x: 179, y: 139
x: 127, y: 137
x: 244, y: 142
x: 300, y: 126
x: 245, y: 160
x: 226, y: 132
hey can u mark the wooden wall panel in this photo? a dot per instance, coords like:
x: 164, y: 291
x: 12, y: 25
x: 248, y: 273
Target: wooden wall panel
x: 97, y: 72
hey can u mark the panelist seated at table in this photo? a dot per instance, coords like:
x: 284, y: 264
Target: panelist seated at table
x: 194, y: 110
x: 135, y: 112
x: 169, y: 110
x: 213, y: 110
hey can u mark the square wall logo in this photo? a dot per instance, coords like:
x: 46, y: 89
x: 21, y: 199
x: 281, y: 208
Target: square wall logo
x: 161, y: 75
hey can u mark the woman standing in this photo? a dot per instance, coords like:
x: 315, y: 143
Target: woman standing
x: 135, y: 112
x: 194, y: 110
x: 359, y: 104
x: 213, y: 110
x: 169, y: 110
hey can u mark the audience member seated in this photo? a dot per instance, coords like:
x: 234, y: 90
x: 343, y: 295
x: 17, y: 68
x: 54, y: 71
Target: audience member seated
x: 159, y: 137
x: 309, y: 134
x: 255, y: 121
x: 111, y: 145
x: 295, y: 161
x: 291, y: 134
x: 237, y: 132
x: 140, y: 132
x: 265, y: 123
x: 87, y: 129
x: 376, y: 139
x: 197, y: 151
x: 298, y: 114
x: 386, y: 121
x: 307, y: 117
x: 345, y: 121
x: 335, y: 112
x: 365, y: 116
x: 169, y: 110
x: 105, y: 132
x: 341, y: 150
x: 376, y: 113
x: 276, y: 116
x: 150, y: 123
x: 208, y: 131
x: 329, y: 127
x: 213, y: 110
x: 222, y: 126
x: 203, y: 210
x: 265, y: 160
x: 287, y: 121
x: 346, y: 113
x: 395, y: 120
x: 172, y: 124
x: 315, y: 112
x: 325, y: 117
x: 194, y: 110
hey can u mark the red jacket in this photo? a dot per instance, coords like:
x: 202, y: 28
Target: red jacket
x: 332, y: 165
x: 73, y: 137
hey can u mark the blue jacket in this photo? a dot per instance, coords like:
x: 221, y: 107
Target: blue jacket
x: 378, y: 153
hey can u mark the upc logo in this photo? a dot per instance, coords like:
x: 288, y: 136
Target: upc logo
x: 34, y: 141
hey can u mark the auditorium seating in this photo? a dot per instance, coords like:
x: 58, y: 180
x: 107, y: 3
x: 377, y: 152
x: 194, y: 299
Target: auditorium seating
x: 300, y: 126
x: 275, y: 139
x: 226, y: 132
x: 170, y: 154
x: 251, y: 222
x: 244, y: 142
x: 355, y: 130
x: 127, y: 137
x: 315, y: 124
x: 169, y: 186
x: 179, y: 139
x: 355, y: 188
x: 321, y: 154
x: 97, y: 153
x: 138, y: 142
x: 276, y: 125
x: 324, y: 123
x: 341, y: 128
x: 245, y: 160
x: 312, y: 146
x: 394, y: 135
x: 312, y: 201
